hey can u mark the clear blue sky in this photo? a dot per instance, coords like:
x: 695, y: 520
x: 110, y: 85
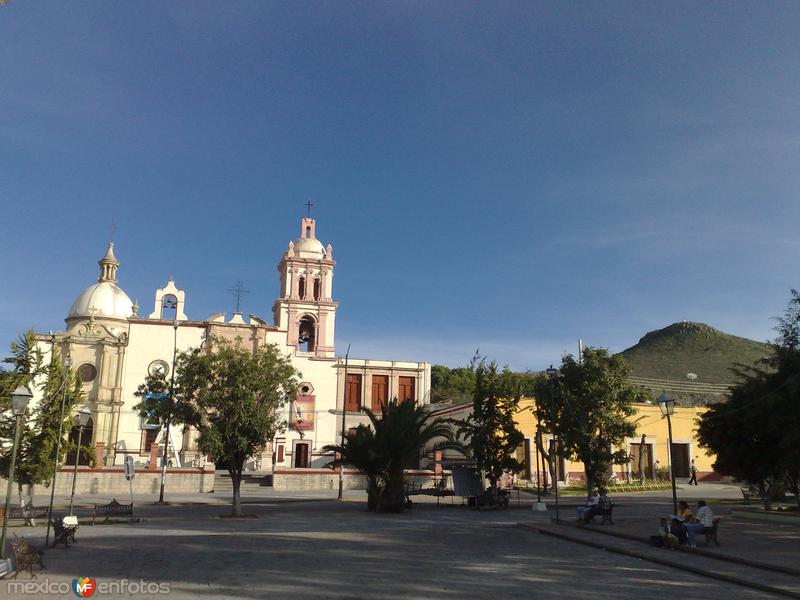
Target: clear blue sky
x: 503, y: 176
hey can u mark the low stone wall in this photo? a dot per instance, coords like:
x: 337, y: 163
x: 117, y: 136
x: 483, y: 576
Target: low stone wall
x: 326, y: 479
x: 110, y: 481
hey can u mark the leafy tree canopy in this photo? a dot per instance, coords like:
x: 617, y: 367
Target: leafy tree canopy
x: 490, y: 431
x: 756, y: 434
x: 233, y: 395
x: 588, y: 406
x: 36, y: 455
x: 454, y: 385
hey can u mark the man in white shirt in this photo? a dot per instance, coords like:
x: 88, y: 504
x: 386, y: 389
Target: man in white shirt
x: 703, y: 519
x: 591, y: 503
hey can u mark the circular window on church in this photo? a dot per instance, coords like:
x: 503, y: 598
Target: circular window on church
x: 87, y: 372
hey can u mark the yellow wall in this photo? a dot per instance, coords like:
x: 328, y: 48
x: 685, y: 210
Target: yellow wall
x: 648, y: 421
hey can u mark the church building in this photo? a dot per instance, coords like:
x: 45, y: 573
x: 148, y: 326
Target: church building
x: 113, y: 348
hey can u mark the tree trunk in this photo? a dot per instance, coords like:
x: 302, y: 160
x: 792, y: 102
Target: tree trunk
x: 642, y: 450
x: 552, y: 462
x: 587, y: 475
x: 545, y: 460
x: 236, y: 480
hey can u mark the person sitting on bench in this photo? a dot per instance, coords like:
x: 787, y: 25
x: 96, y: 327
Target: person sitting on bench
x: 684, y: 512
x: 589, y: 507
x: 702, y: 520
x: 601, y: 508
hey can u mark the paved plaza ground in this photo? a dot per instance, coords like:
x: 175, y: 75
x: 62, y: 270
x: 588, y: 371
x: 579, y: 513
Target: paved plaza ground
x: 300, y: 547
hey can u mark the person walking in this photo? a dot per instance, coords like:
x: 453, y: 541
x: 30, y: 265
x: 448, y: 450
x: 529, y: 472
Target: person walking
x: 693, y: 471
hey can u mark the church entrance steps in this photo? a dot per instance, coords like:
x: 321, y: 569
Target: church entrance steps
x: 251, y: 482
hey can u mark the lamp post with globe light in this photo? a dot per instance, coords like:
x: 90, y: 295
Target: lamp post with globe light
x: 80, y: 420
x: 667, y: 405
x: 19, y: 404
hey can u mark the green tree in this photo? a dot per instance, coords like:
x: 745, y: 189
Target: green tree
x: 456, y: 385
x: 233, y: 395
x: 589, y: 406
x: 36, y: 453
x: 394, y: 441
x: 755, y: 435
x: 157, y: 404
x: 490, y: 431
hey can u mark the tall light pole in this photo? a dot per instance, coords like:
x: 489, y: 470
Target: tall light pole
x: 344, y: 418
x: 81, y: 420
x: 553, y: 375
x: 19, y: 404
x: 168, y: 418
x: 57, y: 455
x: 667, y: 406
x: 537, y: 441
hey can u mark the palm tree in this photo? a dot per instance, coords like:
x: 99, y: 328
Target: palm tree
x: 393, y: 442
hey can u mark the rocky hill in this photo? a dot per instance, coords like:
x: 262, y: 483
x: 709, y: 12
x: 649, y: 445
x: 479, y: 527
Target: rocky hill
x: 691, y: 360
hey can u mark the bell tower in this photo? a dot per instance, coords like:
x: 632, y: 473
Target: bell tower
x: 305, y: 309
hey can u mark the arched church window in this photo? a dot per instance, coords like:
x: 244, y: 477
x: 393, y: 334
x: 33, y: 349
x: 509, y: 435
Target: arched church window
x: 317, y: 288
x: 301, y: 286
x: 169, y: 308
x: 308, y: 231
x: 307, y: 334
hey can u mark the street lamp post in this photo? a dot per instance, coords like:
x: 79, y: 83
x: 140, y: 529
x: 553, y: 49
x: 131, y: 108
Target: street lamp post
x: 19, y: 404
x: 536, y: 442
x: 167, y: 420
x: 81, y: 420
x: 57, y: 455
x: 553, y: 375
x: 667, y: 406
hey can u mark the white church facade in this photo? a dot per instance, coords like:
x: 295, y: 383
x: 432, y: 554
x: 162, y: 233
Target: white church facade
x: 113, y: 348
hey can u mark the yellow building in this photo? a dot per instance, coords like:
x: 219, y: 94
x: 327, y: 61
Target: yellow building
x: 649, y: 422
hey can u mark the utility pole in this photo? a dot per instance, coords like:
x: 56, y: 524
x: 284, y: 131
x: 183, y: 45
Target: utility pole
x: 169, y: 413
x: 56, y: 457
x: 344, y: 418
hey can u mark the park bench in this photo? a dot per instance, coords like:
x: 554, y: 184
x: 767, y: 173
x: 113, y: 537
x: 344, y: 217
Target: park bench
x: 711, y: 532
x: 28, y: 513
x: 112, y: 509
x: 748, y: 493
x: 25, y: 557
x: 64, y: 529
x: 606, y: 513
x: 500, y: 499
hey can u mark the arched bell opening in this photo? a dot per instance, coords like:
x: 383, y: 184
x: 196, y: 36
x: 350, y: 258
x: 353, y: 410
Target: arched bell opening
x: 307, y: 334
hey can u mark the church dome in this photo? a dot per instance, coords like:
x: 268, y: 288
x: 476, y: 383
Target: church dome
x: 103, y: 299
x: 308, y: 247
